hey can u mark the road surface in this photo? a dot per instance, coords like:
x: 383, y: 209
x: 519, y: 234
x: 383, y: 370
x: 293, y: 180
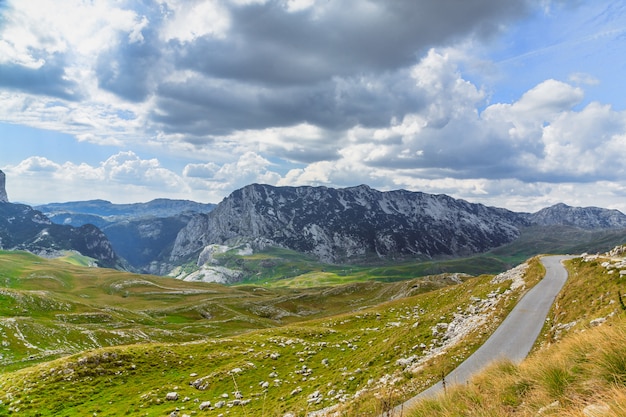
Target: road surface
x: 514, y: 338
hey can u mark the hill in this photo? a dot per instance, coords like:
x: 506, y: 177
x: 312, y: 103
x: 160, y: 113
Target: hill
x: 23, y: 228
x: 579, y: 364
x: 237, y: 240
x: 105, y: 210
x: 343, y: 347
x: 283, y: 349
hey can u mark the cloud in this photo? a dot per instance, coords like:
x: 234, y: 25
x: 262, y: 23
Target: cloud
x: 49, y: 79
x: 123, y: 177
x: 249, y: 168
x: 298, y: 92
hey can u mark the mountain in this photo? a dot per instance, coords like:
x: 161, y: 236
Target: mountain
x: 141, y: 233
x: 591, y: 218
x: 146, y: 243
x: 23, y: 228
x: 78, y: 212
x: 3, y: 192
x: 350, y: 224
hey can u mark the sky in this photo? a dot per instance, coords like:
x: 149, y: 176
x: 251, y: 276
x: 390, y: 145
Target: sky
x: 518, y: 104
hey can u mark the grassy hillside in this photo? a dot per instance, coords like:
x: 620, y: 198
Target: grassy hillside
x: 578, y: 367
x: 250, y: 351
x: 51, y: 308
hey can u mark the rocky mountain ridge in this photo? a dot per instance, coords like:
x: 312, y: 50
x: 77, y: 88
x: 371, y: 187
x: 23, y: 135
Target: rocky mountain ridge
x: 3, y: 191
x: 582, y: 217
x: 339, y: 225
x: 349, y: 225
x: 359, y: 224
x: 24, y: 228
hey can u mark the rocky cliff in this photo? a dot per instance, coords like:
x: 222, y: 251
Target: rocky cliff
x: 3, y: 192
x: 351, y: 224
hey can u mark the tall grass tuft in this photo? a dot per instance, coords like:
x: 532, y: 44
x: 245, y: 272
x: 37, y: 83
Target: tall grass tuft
x: 583, y: 374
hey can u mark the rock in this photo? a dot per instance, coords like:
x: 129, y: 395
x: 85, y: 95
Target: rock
x: 205, y: 405
x: 596, y: 410
x: 597, y: 322
x: 3, y: 192
x: 348, y: 224
x: 171, y: 396
x: 547, y: 408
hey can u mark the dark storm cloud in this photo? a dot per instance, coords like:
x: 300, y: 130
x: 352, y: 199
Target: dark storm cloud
x: 270, y: 45
x: 221, y: 106
x: 337, y: 65
x: 129, y: 71
x: 47, y: 80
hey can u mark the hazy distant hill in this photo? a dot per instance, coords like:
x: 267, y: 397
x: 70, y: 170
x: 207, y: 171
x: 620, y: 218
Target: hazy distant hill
x: 583, y: 217
x: 78, y: 212
x: 141, y: 233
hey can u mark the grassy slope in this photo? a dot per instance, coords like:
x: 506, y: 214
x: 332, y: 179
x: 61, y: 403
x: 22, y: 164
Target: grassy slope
x: 52, y: 308
x: 577, y: 367
x: 349, y: 353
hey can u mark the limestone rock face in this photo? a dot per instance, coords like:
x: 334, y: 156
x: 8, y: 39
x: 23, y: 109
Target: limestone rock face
x: 3, y: 192
x: 350, y: 224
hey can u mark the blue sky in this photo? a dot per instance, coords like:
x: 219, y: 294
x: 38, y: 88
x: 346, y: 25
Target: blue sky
x: 517, y: 104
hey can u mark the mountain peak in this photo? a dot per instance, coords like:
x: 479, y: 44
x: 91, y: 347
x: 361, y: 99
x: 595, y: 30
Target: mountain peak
x: 3, y: 192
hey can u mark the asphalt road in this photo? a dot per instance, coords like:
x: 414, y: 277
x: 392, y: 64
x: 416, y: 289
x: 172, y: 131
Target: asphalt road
x: 514, y: 338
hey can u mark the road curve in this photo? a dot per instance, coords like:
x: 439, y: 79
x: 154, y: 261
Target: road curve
x: 514, y: 338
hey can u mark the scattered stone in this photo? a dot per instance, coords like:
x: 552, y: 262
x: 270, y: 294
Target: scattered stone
x: 547, y: 408
x: 205, y: 405
x: 597, y: 322
x: 596, y: 410
x: 171, y: 396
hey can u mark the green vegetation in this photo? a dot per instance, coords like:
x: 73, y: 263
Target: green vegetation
x: 137, y: 338
x: 87, y: 341
x: 578, y: 367
x: 277, y: 267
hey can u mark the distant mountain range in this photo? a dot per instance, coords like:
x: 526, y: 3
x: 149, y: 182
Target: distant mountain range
x: 23, y: 228
x: 349, y: 225
x: 142, y: 233
x: 101, y: 211
x: 359, y: 223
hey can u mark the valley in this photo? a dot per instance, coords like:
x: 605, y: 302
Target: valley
x: 237, y: 309
x: 369, y: 333
x: 354, y: 348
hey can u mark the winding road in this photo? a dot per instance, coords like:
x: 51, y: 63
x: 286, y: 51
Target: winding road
x: 514, y: 338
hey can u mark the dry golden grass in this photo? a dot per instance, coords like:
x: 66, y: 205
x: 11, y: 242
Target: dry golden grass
x: 583, y: 375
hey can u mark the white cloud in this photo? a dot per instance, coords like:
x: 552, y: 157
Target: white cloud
x: 187, y: 20
x: 124, y: 177
x: 249, y: 168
